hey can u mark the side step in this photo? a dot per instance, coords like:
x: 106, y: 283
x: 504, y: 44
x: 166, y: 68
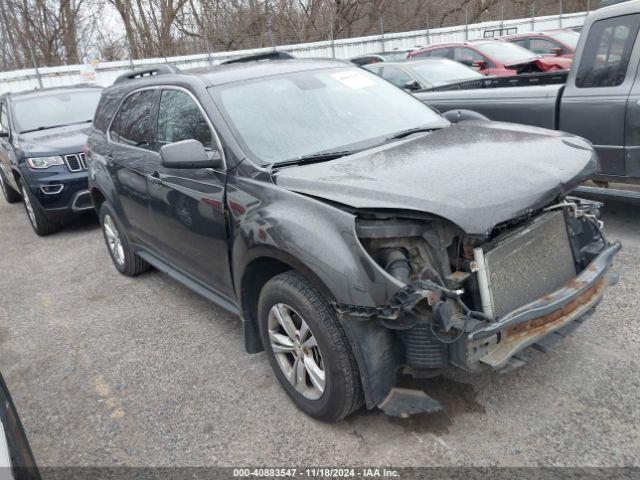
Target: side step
x: 608, y: 192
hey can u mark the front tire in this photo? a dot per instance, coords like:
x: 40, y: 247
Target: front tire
x: 118, y: 246
x: 308, y: 350
x: 42, y: 224
x: 10, y: 195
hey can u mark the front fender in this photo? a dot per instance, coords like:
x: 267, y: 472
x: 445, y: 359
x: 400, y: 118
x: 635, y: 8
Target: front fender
x: 317, y: 237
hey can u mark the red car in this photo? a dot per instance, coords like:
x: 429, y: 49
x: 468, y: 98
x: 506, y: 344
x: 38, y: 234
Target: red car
x: 561, y: 43
x: 494, y: 57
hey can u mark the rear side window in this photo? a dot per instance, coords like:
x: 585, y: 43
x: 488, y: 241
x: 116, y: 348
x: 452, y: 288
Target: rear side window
x: 542, y: 46
x: 180, y: 118
x: 132, y: 124
x: 606, y: 54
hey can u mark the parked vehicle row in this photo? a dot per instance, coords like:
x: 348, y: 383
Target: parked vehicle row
x: 506, y: 56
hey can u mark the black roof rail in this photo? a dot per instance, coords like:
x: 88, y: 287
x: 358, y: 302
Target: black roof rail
x: 148, y: 72
x: 259, y: 56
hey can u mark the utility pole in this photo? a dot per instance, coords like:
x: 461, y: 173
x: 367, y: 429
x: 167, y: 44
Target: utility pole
x: 382, y: 33
x: 35, y: 64
x: 533, y: 17
x: 561, y: 12
x: 466, y: 24
x: 428, y: 32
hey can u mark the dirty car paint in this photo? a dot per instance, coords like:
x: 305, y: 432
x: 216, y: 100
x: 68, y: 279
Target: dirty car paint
x: 475, y: 174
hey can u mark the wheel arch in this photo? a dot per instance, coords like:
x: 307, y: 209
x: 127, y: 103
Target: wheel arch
x: 258, y: 268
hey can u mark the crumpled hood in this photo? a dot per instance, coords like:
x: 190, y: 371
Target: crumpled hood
x: 475, y: 174
x: 55, y: 141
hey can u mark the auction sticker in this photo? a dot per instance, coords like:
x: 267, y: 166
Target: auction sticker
x: 354, y: 79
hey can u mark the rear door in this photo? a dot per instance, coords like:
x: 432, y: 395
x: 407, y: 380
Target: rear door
x: 187, y: 205
x: 594, y: 103
x: 131, y: 152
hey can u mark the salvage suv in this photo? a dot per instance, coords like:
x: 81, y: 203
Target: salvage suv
x: 42, y: 136
x: 360, y: 235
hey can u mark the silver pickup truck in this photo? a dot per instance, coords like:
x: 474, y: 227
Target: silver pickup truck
x: 600, y: 100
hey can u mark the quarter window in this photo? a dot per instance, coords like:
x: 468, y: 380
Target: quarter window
x: 132, y: 125
x: 180, y: 118
x: 607, y: 52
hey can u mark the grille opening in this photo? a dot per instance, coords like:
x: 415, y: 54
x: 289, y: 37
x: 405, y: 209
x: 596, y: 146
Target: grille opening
x: 76, y: 162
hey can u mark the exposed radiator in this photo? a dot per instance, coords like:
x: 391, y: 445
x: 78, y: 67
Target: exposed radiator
x: 524, y: 265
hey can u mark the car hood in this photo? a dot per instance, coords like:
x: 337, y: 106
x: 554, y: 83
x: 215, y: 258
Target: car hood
x: 475, y: 174
x: 55, y: 141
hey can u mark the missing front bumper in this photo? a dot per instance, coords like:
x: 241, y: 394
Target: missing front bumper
x: 537, y: 320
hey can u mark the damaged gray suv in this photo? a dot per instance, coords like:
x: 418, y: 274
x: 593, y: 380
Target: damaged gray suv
x: 360, y: 236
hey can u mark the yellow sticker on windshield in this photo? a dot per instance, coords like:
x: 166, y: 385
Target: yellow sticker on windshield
x: 354, y: 79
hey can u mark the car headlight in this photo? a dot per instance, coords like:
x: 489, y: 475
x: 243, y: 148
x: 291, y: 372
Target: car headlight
x: 44, y: 162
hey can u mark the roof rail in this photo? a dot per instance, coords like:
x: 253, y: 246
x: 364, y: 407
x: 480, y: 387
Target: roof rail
x: 147, y: 72
x: 260, y: 56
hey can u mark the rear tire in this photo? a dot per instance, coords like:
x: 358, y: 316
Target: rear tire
x: 314, y: 339
x: 10, y: 195
x: 42, y: 224
x: 118, y: 246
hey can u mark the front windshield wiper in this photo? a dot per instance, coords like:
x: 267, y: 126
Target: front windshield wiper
x: 315, y: 157
x: 411, y: 131
x: 47, y: 127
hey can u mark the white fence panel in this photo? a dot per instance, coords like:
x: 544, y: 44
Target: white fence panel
x: 105, y: 73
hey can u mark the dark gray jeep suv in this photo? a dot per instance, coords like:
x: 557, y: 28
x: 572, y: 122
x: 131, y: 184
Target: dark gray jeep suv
x: 361, y: 236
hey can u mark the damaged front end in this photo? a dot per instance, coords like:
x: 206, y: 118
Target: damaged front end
x: 474, y: 302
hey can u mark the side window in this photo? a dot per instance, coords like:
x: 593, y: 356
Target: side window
x: 180, y: 118
x: 132, y: 124
x: 466, y: 56
x: 522, y: 42
x: 542, y: 46
x: 396, y: 75
x: 4, y: 118
x: 442, y: 52
x: 607, y: 51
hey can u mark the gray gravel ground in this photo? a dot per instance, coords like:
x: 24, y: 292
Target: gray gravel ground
x: 107, y: 370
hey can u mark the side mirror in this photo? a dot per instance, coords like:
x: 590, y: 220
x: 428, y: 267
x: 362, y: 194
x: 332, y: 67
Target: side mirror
x: 556, y: 51
x: 479, y: 64
x: 189, y: 154
x: 412, y: 85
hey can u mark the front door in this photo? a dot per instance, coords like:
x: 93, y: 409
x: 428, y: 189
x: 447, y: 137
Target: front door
x: 594, y: 103
x: 187, y: 205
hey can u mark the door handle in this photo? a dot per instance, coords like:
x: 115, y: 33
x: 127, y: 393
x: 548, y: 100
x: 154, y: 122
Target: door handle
x: 155, y: 178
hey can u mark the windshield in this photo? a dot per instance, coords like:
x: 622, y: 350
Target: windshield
x: 504, y: 52
x: 55, y: 109
x: 286, y: 117
x: 443, y: 72
x: 569, y: 38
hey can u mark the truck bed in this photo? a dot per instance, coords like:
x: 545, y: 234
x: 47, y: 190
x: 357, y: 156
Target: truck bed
x: 530, y: 105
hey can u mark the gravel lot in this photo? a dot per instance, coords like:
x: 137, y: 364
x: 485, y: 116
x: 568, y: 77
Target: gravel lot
x: 107, y: 370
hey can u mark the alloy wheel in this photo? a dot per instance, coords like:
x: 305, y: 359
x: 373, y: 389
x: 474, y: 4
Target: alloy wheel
x: 296, y: 351
x: 114, y: 242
